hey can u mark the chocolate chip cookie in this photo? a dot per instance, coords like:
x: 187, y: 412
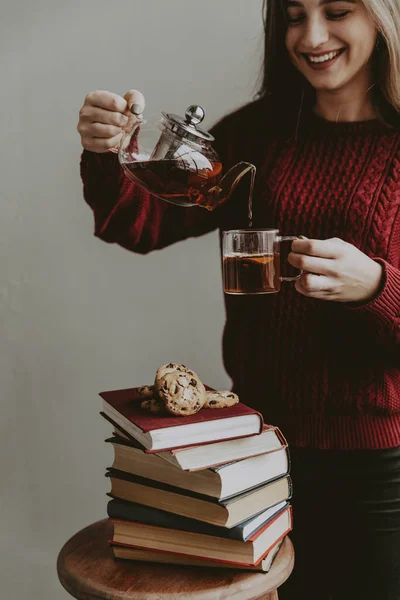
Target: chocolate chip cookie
x: 170, y: 368
x: 220, y: 399
x: 182, y: 392
x: 146, y: 391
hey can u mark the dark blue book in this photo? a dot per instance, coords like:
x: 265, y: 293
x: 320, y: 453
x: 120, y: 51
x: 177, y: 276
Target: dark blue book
x: 130, y: 511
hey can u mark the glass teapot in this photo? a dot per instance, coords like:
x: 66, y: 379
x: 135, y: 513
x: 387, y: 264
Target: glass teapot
x: 174, y: 160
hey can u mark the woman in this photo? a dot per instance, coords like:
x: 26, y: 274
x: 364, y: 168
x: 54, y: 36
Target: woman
x: 321, y: 359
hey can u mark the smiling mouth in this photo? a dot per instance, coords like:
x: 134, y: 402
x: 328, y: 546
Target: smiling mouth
x: 319, y: 59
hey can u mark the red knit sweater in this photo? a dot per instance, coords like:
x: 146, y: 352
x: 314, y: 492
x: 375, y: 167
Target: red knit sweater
x: 327, y: 373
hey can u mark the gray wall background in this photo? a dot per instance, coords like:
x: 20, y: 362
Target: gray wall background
x: 78, y: 316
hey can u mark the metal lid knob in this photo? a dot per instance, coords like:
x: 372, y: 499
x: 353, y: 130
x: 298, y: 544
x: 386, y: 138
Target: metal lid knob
x: 194, y: 115
x: 187, y: 128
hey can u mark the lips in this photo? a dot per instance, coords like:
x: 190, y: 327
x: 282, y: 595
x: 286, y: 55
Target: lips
x: 323, y: 58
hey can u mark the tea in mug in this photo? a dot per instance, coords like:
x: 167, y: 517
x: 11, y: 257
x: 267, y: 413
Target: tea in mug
x: 251, y: 274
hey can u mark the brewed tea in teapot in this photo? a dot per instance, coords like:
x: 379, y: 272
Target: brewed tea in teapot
x: 175, y: 161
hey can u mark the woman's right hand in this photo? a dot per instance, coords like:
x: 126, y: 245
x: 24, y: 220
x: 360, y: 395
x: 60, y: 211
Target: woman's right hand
x: 104, y: 117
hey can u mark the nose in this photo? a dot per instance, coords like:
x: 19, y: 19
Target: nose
x: 316, y: 33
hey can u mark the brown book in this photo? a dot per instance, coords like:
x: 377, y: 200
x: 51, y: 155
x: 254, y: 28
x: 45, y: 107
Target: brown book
x: 220, y: 482
x: 162, y: 432
x: 199, y: 545
x: 213, y: 454
x: 158, y: 556
x: 227, y: 513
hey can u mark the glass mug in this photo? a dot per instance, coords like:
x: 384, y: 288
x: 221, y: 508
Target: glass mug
x: 252, y: 261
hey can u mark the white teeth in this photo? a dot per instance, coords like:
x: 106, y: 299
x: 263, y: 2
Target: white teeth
x: 323, y: 58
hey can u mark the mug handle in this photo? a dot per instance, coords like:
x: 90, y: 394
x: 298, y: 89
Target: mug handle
x: 286, y: 238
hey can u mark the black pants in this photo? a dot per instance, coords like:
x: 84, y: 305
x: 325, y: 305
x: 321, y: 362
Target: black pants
x: 346, y: 512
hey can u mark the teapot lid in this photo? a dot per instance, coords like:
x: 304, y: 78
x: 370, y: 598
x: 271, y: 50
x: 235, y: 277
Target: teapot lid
x: 187, y: 127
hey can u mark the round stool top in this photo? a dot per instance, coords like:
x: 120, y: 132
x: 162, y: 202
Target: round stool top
x: 88, y: 571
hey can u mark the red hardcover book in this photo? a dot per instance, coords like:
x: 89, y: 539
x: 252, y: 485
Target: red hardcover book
x: 210, y: 454
x: 161, y: 432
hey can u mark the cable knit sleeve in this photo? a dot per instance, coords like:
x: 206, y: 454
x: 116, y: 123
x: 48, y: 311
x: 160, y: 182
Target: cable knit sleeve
x: 384, y: 310
x: 382, y: 313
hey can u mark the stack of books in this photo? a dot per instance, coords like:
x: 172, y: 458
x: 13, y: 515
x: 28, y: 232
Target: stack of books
x: 211, y: 489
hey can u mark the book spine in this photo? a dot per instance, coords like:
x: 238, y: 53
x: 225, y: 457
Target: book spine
x: 281, y: 437
x: 287, y: 509
x: 290, y: 485
x: 288, y: 530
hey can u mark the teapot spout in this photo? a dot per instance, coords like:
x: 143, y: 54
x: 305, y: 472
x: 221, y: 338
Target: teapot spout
x: 224, y: 190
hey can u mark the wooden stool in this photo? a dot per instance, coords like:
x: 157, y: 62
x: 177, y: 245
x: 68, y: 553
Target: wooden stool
x: 88, y: 571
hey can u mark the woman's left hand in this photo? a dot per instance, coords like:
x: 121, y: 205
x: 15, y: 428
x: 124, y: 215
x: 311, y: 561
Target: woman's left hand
x: 335, y: 270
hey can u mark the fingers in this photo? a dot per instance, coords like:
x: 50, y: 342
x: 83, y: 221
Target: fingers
x: 100, y: 145
x: 313, y: 264
x: 331, y: 248
x: 114, y: 102
x: 100, y: 130
x: 317, y: 256
x: 102, y: 121
x: 105, y: 116
x: 316, y: 286
x: 334, y: 270
x: 135, y: 97
x: 106, y: 100
x: 90, y: 114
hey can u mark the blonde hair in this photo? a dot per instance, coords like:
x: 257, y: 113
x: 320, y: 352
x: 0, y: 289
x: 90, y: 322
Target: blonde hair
x: 283, y: 86
x: 386, y: 14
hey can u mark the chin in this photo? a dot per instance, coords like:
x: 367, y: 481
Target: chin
x: 327, y: 88
x: 329, y: 85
